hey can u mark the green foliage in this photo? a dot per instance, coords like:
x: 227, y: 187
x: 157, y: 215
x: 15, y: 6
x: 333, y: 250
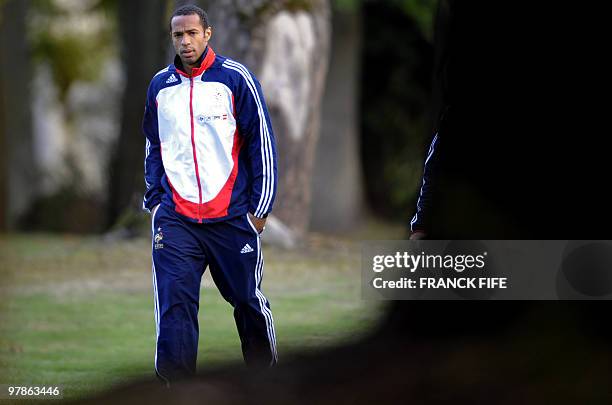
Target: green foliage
x: 71, y: 59
x: 421, y: 11
x: 346, y: 5
x: 74, y: 42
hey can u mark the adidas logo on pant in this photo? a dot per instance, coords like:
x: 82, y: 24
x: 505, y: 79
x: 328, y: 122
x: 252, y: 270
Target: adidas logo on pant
x: 246, y: 249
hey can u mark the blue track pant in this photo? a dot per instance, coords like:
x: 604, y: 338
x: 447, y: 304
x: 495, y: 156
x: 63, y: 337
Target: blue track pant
x: 181, y: 252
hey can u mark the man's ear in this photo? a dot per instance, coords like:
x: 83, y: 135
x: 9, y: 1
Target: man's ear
x: 208, y: 33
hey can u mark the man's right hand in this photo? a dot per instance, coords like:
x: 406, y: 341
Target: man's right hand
x: 417, y: 235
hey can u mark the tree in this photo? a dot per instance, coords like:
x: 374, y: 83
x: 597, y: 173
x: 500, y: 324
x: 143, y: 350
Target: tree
x: 143, y: 34
x: 18, y: 179
x: 337, y: 177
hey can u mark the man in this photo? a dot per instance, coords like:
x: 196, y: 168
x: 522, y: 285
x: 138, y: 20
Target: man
x: 210, y: 173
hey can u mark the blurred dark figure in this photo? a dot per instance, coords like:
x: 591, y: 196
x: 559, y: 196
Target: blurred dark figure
x: 515, y: 153
x: 519, y: 157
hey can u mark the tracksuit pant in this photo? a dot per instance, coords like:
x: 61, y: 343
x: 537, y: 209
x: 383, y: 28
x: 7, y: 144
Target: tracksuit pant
x: 181, y: 252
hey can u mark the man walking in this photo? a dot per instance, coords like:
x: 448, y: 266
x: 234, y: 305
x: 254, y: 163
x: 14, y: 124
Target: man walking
x: 210, y: 173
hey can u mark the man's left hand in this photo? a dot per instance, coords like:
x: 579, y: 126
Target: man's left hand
x: 259, y: 223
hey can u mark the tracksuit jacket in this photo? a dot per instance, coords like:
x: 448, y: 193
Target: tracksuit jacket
x: 210, y: 150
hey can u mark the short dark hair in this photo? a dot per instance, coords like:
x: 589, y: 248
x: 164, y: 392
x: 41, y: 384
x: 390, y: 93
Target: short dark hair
x: 190, y: 10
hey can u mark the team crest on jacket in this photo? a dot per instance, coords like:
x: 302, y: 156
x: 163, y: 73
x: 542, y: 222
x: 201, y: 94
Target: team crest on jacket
x: 158, y: 238
x: 218, y: 99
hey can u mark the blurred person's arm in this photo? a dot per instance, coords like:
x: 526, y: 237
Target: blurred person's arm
x: 420, y: 224
x: 154, y: 168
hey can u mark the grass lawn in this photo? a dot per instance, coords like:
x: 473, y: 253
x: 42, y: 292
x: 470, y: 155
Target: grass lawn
x: 78, y: 311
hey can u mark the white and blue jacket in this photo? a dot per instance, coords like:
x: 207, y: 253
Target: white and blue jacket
x: 210, y: 149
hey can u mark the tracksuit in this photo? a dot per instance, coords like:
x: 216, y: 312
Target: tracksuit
x: 210, y: 160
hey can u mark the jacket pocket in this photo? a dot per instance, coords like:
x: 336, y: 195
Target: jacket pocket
x: 153, y: 213
x: 251, y: 224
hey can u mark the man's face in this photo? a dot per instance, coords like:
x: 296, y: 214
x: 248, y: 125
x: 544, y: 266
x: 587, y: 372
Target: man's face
x: 189, y: 38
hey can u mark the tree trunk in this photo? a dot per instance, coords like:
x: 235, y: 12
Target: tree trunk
x: 3, y: 149
x: 337, y: 180
x: 288, y: 50
x: 143, y: 35
x: 18, y: 181
x: 3, y: 154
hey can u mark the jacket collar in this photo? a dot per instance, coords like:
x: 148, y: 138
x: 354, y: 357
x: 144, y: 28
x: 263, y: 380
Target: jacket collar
x: 206, y: 60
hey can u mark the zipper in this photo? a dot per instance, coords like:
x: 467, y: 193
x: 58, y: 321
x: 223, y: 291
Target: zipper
x: 195, y: 157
